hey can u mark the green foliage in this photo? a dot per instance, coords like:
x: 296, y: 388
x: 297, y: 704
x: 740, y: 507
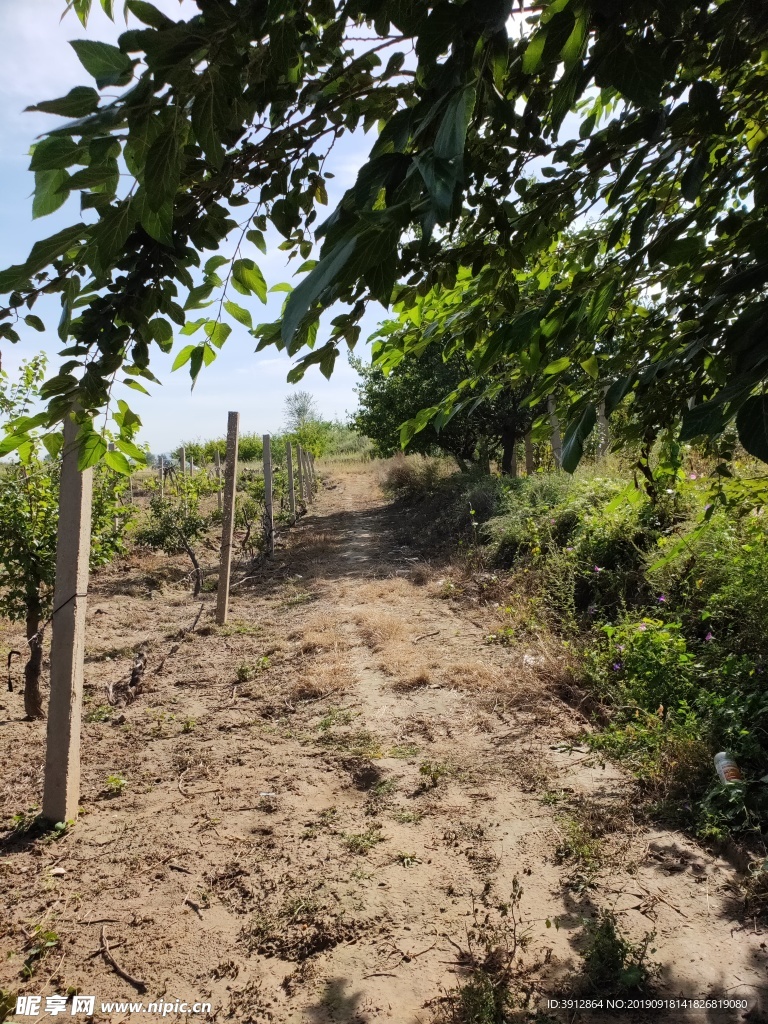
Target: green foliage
x: 29, y: 514
x: 42, y: 943
x: 652, y: 126
x: 176, y: 521
x: 614, y: 966
x: 115, y: 784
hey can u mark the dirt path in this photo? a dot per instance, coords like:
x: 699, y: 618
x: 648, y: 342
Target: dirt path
x: 340, y: 804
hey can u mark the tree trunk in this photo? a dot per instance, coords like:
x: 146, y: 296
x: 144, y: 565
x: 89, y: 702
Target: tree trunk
x: 603, y: 431
x: 461, y: 463
x: 508, y: 454
x: 33, y: 701
x: 557, y: 441
x: 528, y: 454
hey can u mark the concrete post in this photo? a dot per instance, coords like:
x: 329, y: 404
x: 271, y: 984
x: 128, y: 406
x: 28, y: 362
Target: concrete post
x: 162, y: 477
x: 604, y: 431
x: 228, y: 518
x: 269, y: 514
x: 217, y: 461
x: 308, y: 478
x: 61, y: 792
x: 291, y: 490
x: 300, y: 472
x: 513, y: 465
x: 183, y: 462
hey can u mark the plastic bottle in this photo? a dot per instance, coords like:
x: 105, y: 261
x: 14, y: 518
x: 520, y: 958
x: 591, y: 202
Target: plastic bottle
x: 727, y: 768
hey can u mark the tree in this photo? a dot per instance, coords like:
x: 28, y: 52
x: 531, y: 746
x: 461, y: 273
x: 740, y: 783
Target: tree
x: 417, y: 383
x: 646, y: 116
x: 300, y: 409
x: 29, y: 513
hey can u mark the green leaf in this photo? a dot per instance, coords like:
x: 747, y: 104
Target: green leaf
x: 162, y: 169
x: 217, y: 332
x: 49, y: 195
x: 46, y: 251
x: 204, y: 126
x: 92, y: 447
x: 591, y: 367
x: 53, y: 443
x: 129, y: 448
x: 135, y: 386
x: 707, y: 419
x: 258, y: 240
x: 752, y: 425
x: 303, y: 297
x: 183, y: 357
x: 107, y: 64
x: 576, y: 435
x: 35, y: 322
x: 55, y: 153
x: 148, y: 14
x: 79, y: 102
x: 557, y: 366
x: 636, y: 71
x: 250, y: 277
x: 117, y: 462
x: 534, y: 51
x: 241, y: 315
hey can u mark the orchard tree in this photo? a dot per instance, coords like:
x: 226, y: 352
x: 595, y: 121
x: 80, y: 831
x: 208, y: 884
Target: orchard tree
x: 644, y: 119
x: 29, y: 514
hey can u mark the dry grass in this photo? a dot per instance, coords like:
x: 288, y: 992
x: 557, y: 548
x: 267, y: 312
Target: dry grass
x: 381, y: 630
x: 323, y: 632
x: 321, y: 677
x: 473, y: 675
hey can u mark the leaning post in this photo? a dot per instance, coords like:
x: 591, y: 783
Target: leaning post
x: 269, y: 514
x: 291, y: 489
x: 61, y: 789
x: 308, y: 477
x: 228, y: 518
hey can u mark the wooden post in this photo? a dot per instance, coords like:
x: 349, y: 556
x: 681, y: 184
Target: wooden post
x: 162, y: 477
x: 300, y: 472
x: 291, y: 490
x: 308, y: 478
x: 269, y: 514
x: 217, y: 460
x: 228, y: 518
x: 557, y: 441
x: 528, y: 454
x: 61, y: 791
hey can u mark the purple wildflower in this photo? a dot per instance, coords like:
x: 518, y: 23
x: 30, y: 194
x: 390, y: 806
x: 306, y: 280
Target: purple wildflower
x: 642, y: 627
x: 662, y: 599
x: 616, y: 666
x: 597, y: 568
x: 709, y: 637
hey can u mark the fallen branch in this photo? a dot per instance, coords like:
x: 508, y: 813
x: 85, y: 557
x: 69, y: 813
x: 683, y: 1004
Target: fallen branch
x: 140, y: 986
x: 425, y: 635
x: 179, y: 637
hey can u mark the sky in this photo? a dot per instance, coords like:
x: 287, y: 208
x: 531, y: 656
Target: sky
x: 38, y: 64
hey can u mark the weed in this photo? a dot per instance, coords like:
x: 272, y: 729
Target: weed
x: 403, y: 750
x: 40, y: 944
x: 115, y: 785
x: 189, y: 725
x: 614, y: 966
x: 407, y: 817
x: 7, y: 1004
x: 433, y: 772
x: 100, y: 713
x: 407, y: 859
x: 360, y: 743
x: 362, y: 842
x: 579, y: 844
x: 335, y: 716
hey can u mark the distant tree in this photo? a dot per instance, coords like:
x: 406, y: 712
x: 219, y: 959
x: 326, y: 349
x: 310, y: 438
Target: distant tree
x: 387, y: 401
x: 300, y: 409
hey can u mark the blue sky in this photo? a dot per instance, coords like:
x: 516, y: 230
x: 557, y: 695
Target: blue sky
x: 39, y: 64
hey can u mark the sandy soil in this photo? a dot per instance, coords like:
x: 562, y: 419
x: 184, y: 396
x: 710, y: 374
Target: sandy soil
x: 337, y: 804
